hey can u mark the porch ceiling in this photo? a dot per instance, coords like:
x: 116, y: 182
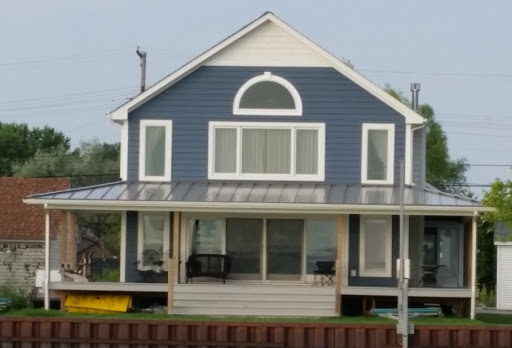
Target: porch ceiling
x: 257, y: 197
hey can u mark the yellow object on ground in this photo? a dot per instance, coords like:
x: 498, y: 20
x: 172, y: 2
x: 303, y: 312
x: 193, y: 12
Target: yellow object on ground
x: 98, y: 303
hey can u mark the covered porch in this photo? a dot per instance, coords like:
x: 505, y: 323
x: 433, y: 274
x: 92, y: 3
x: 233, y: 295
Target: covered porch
x: 275, y: 234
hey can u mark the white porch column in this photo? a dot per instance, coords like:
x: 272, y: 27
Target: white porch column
x: 473, y: 264
x: 47, y: 259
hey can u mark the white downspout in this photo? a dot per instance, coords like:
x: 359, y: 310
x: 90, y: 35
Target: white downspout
x: 47, y: 258
x: 473, y: 264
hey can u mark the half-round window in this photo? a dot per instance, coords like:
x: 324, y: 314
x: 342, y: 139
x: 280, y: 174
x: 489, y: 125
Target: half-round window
x: 267, y: 94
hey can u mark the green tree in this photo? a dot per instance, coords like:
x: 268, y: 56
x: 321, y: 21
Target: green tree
x: 19, y: 143
x: 441, y: 171
x: 499, y: 197
x: 90, y: 164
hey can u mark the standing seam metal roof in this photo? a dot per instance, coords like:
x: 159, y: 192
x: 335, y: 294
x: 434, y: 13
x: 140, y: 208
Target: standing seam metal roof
x: 244, y: 192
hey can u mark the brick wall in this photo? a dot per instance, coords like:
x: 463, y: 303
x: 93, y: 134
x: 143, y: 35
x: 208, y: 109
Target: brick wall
x: 19, y: 262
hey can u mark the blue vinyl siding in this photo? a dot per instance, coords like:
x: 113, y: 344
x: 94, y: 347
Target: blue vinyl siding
x: 131, y: 274
x: 207, y: 95
x: 353, y: 258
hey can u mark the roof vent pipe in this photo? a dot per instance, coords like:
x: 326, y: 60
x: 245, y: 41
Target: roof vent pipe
x: 415, y: 89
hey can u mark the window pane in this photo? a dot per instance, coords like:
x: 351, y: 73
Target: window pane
x: 375, y: 245
x: 225, y: 150
x: 267, y: 95
x: 155, y: 151
x: 377, y: 154
x: 207, y: 236
x: 320, y: 241
x: 306, y: 151
x: 284, y: 249
x: 153, y: 239
x: 243, y: 245
x: 278, y: 152
x: 266, y: 151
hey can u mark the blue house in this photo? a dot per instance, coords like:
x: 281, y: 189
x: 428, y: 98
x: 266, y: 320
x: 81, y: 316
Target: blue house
x: 268, y: 149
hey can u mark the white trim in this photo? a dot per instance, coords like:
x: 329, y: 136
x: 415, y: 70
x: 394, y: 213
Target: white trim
x: 140, y: 230
x: 259, y: 207
x: 121, y: 113
x: 503, y: 243
x: 123, y: 156
x: 474, y: 246
x: 47, y: 272
x: 391, y: 152
x: 168, y: 149
x: 122, y: 253
x: 387, y: 247
x: 408, y: 154
x: 292, y: 176
x: 268, y: 76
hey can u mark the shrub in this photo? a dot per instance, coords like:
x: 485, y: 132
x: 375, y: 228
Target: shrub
x: 487, y: 297
x: 108, y: 275
x: 19, y: 298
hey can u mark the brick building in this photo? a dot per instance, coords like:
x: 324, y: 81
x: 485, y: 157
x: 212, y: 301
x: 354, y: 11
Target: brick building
x: 22, y: 230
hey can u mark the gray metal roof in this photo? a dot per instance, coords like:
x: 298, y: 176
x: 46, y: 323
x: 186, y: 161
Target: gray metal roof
x: 245, y: 192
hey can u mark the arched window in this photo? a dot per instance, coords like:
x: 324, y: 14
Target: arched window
x: 267, y: 94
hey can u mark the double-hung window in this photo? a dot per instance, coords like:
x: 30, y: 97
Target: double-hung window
x: 375, y: 246
x: 155, y: 150
x: 266, y: 151
x: 377, y: 157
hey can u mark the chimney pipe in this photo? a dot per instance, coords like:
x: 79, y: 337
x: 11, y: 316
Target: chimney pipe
x: 415, y: 88
x: 142, y: 56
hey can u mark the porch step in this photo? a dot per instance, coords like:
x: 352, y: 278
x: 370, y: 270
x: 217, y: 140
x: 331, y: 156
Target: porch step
x: 266, y: 300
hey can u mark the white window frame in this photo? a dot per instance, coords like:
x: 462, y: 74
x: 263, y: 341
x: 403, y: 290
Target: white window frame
x: 292, y: 176
x: 391, y: 152
x: 388, y: 245
x: 168, y: 150
x: 268, y: 76
x: 140, y: 237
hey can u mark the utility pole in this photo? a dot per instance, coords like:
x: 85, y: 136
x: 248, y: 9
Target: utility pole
x: 142, y: 56
x: 403, y: 270
x: 403, y: 262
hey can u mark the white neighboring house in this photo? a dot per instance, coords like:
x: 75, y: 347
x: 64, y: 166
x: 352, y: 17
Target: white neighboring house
x: 503, y: 264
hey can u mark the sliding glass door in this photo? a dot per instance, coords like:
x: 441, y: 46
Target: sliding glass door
x: 265, y: 249
x: 284, y: 249
x: 244, y: 246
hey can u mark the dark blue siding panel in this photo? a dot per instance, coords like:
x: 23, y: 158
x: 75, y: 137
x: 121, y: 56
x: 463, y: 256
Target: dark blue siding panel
x: 131, y: 274
x: 207, y: 95
x: 353, y: 258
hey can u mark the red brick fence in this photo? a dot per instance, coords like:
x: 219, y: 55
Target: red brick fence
x: 103, y: 333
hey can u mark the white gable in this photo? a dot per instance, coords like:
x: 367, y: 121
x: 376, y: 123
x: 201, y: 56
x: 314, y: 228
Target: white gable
x: 268, y: 45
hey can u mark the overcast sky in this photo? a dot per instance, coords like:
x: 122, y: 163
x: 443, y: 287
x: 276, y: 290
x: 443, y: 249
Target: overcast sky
x: 68, y: 63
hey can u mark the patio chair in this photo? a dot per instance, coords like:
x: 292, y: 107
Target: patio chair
x: 324, y: 273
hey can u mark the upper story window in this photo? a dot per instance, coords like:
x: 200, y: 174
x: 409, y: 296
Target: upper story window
x: 155, y: 150
x: 267, y: 94
x: 378, y: 153
x: 266, y: 151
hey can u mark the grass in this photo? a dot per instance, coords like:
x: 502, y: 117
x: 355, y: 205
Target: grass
x: 482, y: 319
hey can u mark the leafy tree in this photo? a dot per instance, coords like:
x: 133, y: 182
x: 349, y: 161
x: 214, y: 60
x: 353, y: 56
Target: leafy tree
x: 446, y: 174
x: 500, y: 198
x: 19, y: 143
x: 91, y: 164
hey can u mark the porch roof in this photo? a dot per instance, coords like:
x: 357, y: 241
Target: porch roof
x: 257, y: 197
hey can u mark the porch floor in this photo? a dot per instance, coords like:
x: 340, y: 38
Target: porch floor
x: 413, y: 292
